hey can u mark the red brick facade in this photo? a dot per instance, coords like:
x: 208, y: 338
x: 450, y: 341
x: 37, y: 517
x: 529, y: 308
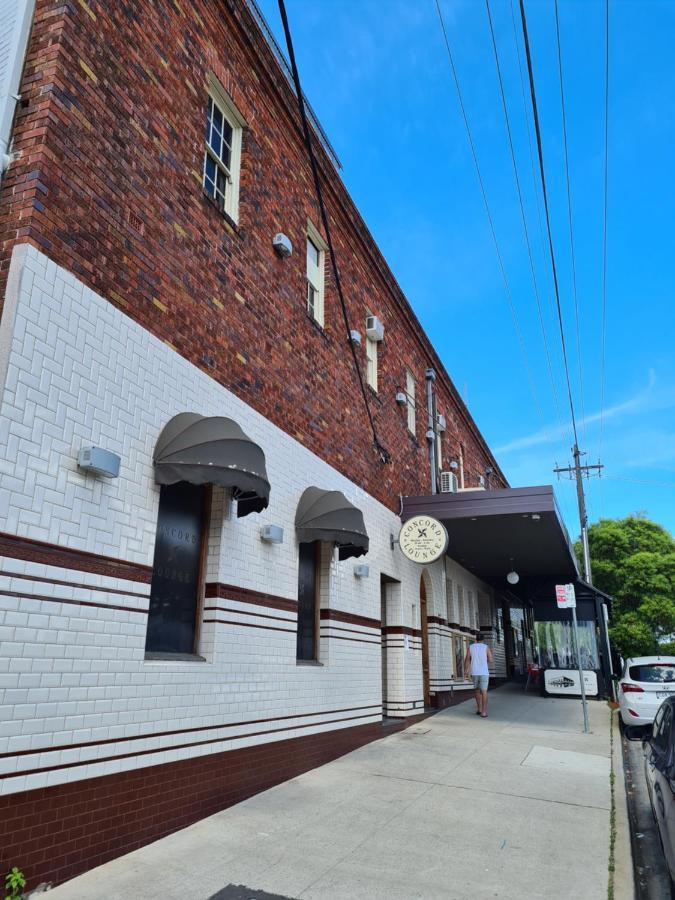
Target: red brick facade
x: 109, y: 137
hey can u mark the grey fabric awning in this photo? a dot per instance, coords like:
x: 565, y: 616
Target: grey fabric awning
x: 329, y: 516
x: 213, y: 450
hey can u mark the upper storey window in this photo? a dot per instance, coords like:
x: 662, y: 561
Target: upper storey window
x: 316, y: 254
x: 222, y: 157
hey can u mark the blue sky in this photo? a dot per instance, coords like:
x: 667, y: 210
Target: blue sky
x: 376, y: 73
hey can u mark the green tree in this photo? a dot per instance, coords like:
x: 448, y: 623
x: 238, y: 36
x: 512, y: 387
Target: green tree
x: 633, y: 560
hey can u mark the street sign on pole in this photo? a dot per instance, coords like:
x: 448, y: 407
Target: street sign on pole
x: 564, y: 594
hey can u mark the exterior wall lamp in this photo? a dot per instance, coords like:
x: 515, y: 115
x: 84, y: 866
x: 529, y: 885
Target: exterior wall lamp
x: 272, y: 534
x: 361, y: 571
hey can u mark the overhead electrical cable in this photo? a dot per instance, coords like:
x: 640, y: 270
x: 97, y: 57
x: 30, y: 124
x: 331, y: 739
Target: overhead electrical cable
x: 603, y: 326
x: 569, y: 217
x: 522, y: 209
x: 509, y: 297
x: 382, y: 452
x: 542, y: 174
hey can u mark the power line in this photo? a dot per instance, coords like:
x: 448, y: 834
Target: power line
x: 500, y: 260
x: 569, y: 216
x: 522, y: 207
x: 542, y: 174
x: 603, y: 326
x: 382, y: 452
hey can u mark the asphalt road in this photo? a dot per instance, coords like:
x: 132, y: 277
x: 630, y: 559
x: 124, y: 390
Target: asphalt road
x: 651, y: 875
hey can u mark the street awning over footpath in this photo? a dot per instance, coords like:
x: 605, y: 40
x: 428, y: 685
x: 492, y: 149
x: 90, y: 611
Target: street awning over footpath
x: 328, y: 516
x: 213, y: 450
x: 492, y: 533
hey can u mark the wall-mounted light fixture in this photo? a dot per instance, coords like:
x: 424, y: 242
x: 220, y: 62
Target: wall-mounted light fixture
x: 355, y: 337
x: 362, y: 571
x: 282, y: 245
x: 272, y: 534
x: 402, y: 398
x: 97, y: 461
x: 454, y: 464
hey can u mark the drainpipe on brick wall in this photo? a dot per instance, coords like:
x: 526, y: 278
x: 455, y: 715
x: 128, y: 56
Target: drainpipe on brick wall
x: 430, y: 376
x: 16, y: 17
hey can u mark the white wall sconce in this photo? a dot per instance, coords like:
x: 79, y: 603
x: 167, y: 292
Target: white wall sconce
x: 402, y: 399
x: 282, y: 245
x: 97, y: 461
x: 272, y: 534
x: 361, y: 571
x: 454, y: 464
x: 355, y: 337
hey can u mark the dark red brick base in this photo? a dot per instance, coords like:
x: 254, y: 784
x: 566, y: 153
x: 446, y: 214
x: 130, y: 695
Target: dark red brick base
x: 55, y: 833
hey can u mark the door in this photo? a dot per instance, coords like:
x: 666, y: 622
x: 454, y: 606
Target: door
x: 425, y: 642
x: 383, y: 626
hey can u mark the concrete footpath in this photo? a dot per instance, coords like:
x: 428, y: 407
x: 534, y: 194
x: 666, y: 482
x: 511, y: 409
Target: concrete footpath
x: 513, y: 806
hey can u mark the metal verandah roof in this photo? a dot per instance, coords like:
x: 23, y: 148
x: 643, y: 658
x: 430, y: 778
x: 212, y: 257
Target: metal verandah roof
x: 492, y: 532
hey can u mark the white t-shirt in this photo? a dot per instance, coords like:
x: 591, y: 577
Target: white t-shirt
x: 479, y: 661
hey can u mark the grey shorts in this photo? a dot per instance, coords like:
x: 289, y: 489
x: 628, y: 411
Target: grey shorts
x: 480, y: 682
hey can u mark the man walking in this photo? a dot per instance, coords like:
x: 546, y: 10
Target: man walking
x: 479, y: 657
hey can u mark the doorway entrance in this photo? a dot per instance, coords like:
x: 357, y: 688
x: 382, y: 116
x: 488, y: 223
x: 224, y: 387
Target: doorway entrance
x: 390, y: 601
x: 424, y: 626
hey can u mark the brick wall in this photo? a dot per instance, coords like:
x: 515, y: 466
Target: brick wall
x: 109, y: 135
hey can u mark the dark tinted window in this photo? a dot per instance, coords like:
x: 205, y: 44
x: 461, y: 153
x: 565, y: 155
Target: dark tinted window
x: 653, y: 673
x: 176, y: 569
x: 307, y: 601
x: 662, y: 731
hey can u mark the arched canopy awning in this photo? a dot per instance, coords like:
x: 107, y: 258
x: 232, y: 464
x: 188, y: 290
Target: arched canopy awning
x: 329, y: 516
x: 213, y: 450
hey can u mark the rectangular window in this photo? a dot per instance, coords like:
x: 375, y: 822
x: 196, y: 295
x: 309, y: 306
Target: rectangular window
x: 308, y: 601
x: 176, y: 588
x: 316, y: 258
x: 410, y: 393
x: 439, y: 448
x: 371, y: 362
x: 222, y: 156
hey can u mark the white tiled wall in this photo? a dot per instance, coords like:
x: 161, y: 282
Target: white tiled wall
x: 76, y: 372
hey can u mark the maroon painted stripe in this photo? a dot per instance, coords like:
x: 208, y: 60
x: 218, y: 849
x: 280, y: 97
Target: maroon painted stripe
x: 351, y: 631
x: 338, y: 637
x: 192, y: 730
x: 350, y: 618
x: 66, y: 558
x: 75, y: 584
x: 401, y: 629
x: 241, y: 612
x: 45, y: 599
x: 232, y: 737
x: 245, y: 595
x: 251, y: 625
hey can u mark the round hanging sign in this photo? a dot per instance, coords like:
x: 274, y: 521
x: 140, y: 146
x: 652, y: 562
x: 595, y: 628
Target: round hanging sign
x: 423, y: 539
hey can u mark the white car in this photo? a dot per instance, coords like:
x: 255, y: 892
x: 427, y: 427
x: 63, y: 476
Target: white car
x: 645, y: 683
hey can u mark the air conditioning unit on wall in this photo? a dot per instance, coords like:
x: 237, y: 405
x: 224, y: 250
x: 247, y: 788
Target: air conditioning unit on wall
x: 374, y: 328
x: 449, y: 483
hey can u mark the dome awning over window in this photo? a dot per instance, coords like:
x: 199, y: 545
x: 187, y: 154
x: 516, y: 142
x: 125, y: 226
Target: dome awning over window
x: 329, y: 516
x: 213, y: 450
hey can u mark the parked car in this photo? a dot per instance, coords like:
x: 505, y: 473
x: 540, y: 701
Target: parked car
x: 645, y: 683
x: 659, y: 747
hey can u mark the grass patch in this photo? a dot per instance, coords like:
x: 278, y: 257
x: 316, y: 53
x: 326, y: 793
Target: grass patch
x: 612, y: 810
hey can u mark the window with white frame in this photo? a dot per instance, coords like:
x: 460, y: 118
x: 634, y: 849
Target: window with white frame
x: 316, y: 256
x: 222, y: 156
x: 410, y: 394
x: 371, y: 362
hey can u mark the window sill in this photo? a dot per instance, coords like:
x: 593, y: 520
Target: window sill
x: 174, y: 657
x: 308, y: 662
x: 229, y: 221
x: 317, y: 325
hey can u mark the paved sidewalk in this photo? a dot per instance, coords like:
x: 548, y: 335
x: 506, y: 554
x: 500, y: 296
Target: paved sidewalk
x: 513, y: 806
